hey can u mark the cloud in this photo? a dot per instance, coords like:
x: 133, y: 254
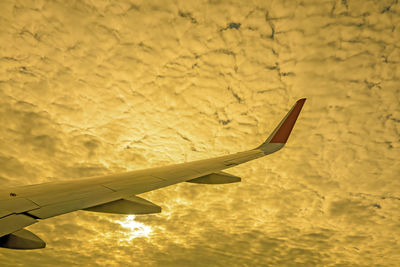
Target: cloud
x: 90, y: 88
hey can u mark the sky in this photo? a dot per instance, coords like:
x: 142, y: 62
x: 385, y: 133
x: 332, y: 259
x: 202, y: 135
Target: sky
x: 97, y: 87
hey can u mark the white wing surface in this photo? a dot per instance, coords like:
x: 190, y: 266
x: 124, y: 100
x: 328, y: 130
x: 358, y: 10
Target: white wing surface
x: 116, y: 193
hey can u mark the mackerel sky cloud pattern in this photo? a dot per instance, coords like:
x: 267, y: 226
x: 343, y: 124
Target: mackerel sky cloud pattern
x: 96, y: 87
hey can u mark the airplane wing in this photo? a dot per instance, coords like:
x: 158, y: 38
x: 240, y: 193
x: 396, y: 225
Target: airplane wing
x: 116, y: 193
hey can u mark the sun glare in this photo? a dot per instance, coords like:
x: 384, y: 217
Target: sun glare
x: 137, y: 229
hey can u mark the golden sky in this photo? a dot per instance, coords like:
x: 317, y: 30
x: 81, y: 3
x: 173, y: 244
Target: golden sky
x: 95, y: 87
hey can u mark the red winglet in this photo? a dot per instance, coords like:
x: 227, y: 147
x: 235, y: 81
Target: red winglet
x: 282, y: 135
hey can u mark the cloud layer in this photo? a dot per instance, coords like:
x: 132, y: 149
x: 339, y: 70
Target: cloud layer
x: 95, y: 87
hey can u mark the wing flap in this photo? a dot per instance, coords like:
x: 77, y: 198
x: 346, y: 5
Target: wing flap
x: 14, y: 222
x: 61, y: 192
x: 73, y: 205
x: 15, y: 205
x: 4, y: 213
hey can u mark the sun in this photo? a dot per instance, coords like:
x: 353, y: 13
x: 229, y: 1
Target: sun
x: 137, y: 229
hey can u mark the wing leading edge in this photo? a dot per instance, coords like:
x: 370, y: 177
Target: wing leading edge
x: 25, y: 205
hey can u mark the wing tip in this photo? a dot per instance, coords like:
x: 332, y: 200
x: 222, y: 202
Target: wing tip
x: 280, y: 135
x: 283, y: 132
